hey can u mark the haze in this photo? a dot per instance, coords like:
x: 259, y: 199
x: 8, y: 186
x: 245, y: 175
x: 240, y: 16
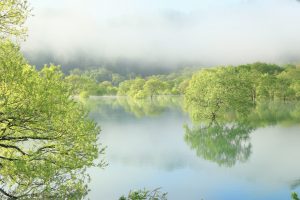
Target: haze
x: 167, y: 33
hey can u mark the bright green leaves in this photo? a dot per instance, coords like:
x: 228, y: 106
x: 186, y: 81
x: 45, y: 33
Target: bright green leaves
x: 102, y: 81
x: 153, y: 87
x: 144, y: 194
x: 212, y: 92
x: 45, y: 136
x: 227, y: 103
x: 46, y: 140
x: 140, y: 88
x: 13, y: 14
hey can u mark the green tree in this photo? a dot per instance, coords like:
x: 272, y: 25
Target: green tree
x: 213, y: 92
x: 79, y: 83
x: 106, y: 88
x: 153, y: 86
x: 136, y: 86
x: 292, y: 74
x: 294, y: 196
x: 267, y: 88
x: 284, y: 91
x: 13, y: 14
x: 46, y: 139
x: 263, y: 68
x: 124, y: 87
x: 116, y: 79
x: 155, y: 194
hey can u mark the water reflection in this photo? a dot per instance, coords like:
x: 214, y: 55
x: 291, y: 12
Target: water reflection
x: 224, y: 138
x: 258, y: 151
x: 275, y: 113
x: 224, y: 144
x: 120, y: 108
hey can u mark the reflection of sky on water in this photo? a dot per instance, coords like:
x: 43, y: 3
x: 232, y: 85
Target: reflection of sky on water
x: 150, y: 152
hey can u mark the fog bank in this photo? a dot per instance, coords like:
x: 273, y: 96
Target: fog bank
x: 163, y: 34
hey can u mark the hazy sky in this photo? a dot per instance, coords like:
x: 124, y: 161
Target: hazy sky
x: 170, y: 32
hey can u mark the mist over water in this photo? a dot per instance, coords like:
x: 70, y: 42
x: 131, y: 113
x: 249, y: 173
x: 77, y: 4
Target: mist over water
x: 155, y: 34
x: 148, y: 146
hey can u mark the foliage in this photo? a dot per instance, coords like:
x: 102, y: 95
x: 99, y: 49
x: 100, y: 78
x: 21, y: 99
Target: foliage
x: 211, y: 92
x: 102, y: 81
x: 46, y: 140
x: 144, y: 194
x: 263, y: 68
x: 13, y: 14
x: 96, y: 82
x: 294, y: 196
x: 217, y: 90
x: 153, y: 87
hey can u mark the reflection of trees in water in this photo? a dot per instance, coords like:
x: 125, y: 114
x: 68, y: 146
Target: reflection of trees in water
x: 149, y: 107
x: 139, y: 108
x: 220, y: 143
x: 263, y: 114
x: 225, y: 140
x: 275, y: 113
x: 295, y: 184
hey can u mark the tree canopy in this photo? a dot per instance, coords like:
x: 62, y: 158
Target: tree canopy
x: 46, y: 140
x: 45, y: 136
x: 13, y: 15
x: 213, y: 91
x: 220, y: 89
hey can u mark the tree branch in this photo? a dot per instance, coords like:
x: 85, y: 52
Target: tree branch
x: 6, y: 194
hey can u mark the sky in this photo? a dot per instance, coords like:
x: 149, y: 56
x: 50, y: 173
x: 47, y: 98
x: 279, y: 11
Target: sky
x: 164, y: 33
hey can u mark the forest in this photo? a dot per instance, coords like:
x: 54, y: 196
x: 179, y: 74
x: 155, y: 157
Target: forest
x: 257, y: 82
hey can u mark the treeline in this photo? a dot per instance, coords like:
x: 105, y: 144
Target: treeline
x: 259, y: 81
x: 231, y: 88
x: 103, y: 81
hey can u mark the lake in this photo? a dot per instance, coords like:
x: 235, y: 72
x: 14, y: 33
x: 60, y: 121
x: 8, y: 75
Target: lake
x: 153, y: 144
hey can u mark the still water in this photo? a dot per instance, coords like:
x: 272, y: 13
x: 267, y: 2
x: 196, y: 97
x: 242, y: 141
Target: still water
x: 148, y: 147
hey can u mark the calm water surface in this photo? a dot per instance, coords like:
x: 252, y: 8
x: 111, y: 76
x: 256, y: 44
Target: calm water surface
x: 147, y: 148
